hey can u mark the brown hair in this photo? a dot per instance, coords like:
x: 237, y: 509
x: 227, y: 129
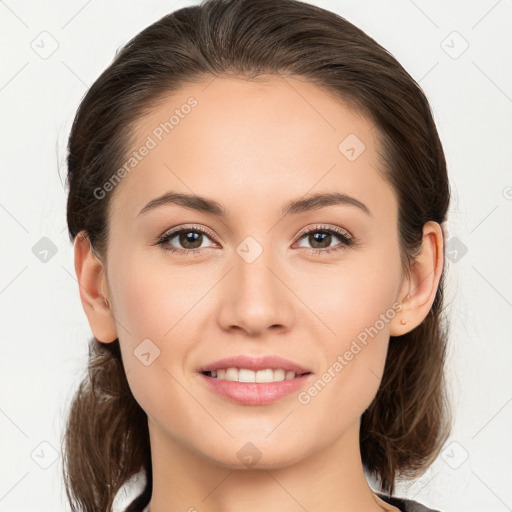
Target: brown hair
x: 106, y: 438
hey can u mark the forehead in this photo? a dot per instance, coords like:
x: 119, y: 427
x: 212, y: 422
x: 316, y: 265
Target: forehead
x: 239, y: 140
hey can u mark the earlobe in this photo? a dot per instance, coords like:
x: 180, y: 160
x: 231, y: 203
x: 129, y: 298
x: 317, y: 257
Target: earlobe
x: 423, y: 282
x: 93, y: 290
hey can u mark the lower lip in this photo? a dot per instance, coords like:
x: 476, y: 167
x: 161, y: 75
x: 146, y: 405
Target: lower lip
x: 255, y: 393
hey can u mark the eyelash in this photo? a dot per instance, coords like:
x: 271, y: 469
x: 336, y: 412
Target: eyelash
x: 346, y: 240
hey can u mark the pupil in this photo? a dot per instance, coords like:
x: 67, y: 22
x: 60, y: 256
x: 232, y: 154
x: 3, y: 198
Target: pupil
x: 323, y: 236
x: 190, y: 237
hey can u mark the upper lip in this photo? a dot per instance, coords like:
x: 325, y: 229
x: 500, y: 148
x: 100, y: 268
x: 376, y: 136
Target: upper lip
x: 255, y: 363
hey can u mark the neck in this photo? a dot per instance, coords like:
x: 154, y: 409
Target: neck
x: 329, y: 480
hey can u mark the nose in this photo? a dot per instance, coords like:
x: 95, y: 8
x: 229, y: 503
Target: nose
x: 255, y: 296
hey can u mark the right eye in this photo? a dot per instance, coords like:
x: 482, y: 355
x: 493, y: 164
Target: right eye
x: 190, y: 238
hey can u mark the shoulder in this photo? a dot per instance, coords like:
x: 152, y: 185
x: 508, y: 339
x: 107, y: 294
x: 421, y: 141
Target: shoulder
x: 404, y: 504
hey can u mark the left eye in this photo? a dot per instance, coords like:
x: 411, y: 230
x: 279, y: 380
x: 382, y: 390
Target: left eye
x: 191, y: 240
x: 321, y: 237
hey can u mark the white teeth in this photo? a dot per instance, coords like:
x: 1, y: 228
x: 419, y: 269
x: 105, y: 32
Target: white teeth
x: 231, y: 374
x: 245, y: 375
x: 279, y: 374
x: 265, y: 375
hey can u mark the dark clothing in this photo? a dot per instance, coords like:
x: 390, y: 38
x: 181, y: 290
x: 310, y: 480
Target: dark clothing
x: 140, y: 503
x: 405, y: 505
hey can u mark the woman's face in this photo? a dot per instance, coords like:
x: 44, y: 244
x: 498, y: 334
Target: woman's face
x: 260, y: 280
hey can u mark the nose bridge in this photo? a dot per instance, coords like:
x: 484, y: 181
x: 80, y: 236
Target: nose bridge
x: 255, y: 297
x: 253, y: 260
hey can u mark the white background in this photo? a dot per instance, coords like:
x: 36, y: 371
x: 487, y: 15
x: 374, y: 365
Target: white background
x: 45, y: 331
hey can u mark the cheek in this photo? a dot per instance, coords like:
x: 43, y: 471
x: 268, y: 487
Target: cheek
x: 153, y: 299
x: 356, y: 304
x: 153, y: 308
x: 164, y: 303
x: 352, y: 296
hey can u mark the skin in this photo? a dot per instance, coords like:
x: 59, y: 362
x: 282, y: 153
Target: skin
x: 253, y: 147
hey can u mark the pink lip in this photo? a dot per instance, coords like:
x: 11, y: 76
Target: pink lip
x: 255, y: 363
x: 255, y: 393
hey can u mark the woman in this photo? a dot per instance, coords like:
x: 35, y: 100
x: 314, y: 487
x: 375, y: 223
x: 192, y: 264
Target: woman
x: 257, y: 194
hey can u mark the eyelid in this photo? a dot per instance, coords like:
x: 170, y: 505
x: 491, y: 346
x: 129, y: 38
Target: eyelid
x: 320, y: 227
x: 176, y: 229
x: 347, y: 239
x: 209, y: 232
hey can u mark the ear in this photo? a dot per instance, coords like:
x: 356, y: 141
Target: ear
x: 419, y: 290
x: 93, y: 290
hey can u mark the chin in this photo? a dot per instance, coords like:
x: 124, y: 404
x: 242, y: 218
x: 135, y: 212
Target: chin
x: 250, y: 455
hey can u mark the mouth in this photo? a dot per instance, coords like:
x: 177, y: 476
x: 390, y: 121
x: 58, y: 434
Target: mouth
x: 254, y: 380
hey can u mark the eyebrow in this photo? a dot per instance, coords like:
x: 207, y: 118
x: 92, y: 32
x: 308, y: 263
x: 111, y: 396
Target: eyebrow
x: 209, y: 206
